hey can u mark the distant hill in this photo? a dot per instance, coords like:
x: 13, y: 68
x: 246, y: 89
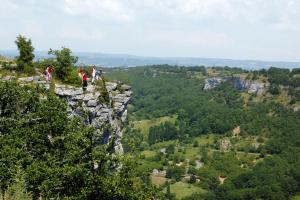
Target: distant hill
x: 124, y: 60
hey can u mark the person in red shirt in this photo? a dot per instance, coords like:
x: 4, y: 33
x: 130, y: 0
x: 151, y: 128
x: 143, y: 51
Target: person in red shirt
x: 84, y: 81
x: 48, y: 73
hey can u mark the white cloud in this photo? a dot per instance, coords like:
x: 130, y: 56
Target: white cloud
x: 234, y: 27
x: 193, y: 38
x: 81, y: 34
x: 99, y: 9
x: 267, y: 12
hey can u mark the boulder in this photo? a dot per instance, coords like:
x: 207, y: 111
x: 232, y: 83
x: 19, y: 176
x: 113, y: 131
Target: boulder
x: 92, y: 103
x: 125, y: 87
x: 111, y: 86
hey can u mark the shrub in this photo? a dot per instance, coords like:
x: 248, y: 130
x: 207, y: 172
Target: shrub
x: 73, y: 78
x: 274, y: 89
x: 104, y: 97
x: 196, y: 143
x: 175, y: 172
x: 29, y: 70
x: 119, y: 88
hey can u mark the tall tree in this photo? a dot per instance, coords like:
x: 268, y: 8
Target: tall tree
x: 65, y: 61
x: 26, y: 49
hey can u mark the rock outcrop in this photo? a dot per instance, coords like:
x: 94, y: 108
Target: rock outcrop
x: 225, y: 144
x: 107, y: 117
x: 238, y: 83
x: 99, y: 114
x: 212, y: 83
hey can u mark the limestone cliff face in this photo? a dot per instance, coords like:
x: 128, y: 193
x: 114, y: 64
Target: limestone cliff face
x: 238, y: 83
x: 107, y: 117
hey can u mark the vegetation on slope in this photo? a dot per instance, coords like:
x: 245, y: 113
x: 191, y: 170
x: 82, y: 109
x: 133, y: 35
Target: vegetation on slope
x: 262, y: 161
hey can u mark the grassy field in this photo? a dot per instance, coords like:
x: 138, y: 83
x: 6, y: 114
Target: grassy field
x: 181, y: 189
x: 205, y: 139
x: 144, y: 125
x: 297, y: 197
x: 148, y: 153
x: 157, y: 180
x: 190, y: 151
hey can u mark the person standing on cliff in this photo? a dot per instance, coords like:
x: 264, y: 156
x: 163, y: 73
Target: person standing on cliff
x: 93, y: 74
x: 84, y: 81
x: 48, y: 73
x: 98, y: 75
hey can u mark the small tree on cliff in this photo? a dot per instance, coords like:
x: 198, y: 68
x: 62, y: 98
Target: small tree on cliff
x: 26, y: 55
x: 65, y: 61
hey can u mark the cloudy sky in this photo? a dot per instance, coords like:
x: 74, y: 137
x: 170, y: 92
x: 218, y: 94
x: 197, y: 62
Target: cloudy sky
x: 238, y: 29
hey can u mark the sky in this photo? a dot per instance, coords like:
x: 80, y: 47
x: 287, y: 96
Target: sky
x: 236, y: 29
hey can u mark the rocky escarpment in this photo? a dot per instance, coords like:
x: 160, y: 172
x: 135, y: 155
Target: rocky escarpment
x: 237, y: 82
x: 106, y: 115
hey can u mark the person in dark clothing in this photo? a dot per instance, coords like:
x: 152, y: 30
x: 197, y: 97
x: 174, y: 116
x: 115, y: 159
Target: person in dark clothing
x: 98, y: 75
x: 84, y: 81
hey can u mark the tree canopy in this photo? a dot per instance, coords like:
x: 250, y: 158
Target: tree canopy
x: 65, y: 61
x: 26, y: 56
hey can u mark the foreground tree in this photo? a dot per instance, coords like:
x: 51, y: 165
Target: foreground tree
x: 58, y: 156
x: 65, y: 61
x: 26, y: 56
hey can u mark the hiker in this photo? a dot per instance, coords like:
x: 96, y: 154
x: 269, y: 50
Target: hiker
x: 48, y: 73
x: 80, y: 72
x: 84, y: 81
x: 93, y: 74
x: 98, y: 75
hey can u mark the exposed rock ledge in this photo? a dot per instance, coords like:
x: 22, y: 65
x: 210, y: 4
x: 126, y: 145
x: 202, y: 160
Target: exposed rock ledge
x: 87, y: 105
x: 237, y: 82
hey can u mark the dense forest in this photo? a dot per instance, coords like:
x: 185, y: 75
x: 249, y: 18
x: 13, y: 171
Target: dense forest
x: 172, y: 90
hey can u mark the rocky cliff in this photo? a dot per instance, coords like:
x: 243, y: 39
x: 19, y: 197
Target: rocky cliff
x: 106, y: 116
x: 237, y: 82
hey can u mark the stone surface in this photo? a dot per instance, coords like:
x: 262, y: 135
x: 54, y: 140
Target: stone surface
x: 111, y: 86
x: 211, y: 83
x: 92, y: 103
x: 236, y: 131
x: 26, y: 79
x: 126, y: 87
x: 114, y: 113
x: 225, y: 144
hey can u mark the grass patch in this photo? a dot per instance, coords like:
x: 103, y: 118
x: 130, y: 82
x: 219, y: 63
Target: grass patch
x: 192, y: 152
x: 148, y: 153
x: 164, y: 144
x: 296, y: 197
x: 157, y: 180
x: 181, y: 189
x: 148, y: 166
x: 144, y: 125
x: 205, y: 139
x: 17, y: 74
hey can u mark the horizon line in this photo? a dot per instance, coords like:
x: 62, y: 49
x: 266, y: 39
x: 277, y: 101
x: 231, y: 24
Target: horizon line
x: 169, y: 57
